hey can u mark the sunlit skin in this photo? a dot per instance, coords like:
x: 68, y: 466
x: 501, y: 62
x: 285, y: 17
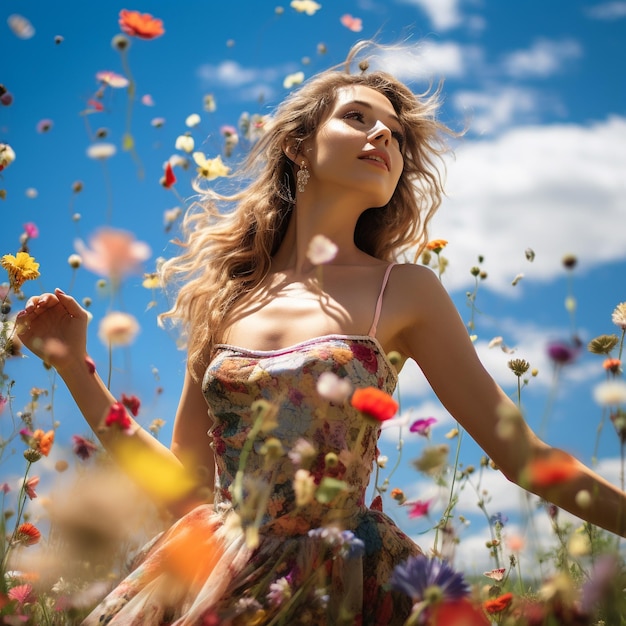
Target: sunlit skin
x: 296, y: 302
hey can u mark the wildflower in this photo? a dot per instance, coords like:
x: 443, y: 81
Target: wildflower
x: 31, y: 230
x: 132, y: 403
x: 169, y: 178
x: 382, y: 461
x: 156, y: 425
x: 499, y: 604
x: 569, y: 261
x: 498, y: 519
x: 30, y: 485
x: 147, y: 100
x: 419, y: 574
x: 266, y: 412
x: 291, y: 80
x: 398, y: 495
x: 185, y: 143
x: 302, y: 453
x: 355, y: 24
x: 157, y: 122
x: 101, y: 150
x: 272, y: 450
x: 305, y: 6
x: 518, y: 366
x: 496, y: 574
x: 141, y: 25
x: 422, y: 426
x: 304, y: 487
x: 562, y: 353
x: 151, y: 281
x: 117, y: 415
x: 27, y: 534
x: 210, y: 168
x: 74, y: 261
x: 374, y: 403
x: 551, y: 469
x: 333, y: 388
x: 458, y: 612
x: 113, y: 253
x: 619, y: 421
x: 321, y: 250
x: 602, y: 344
x: 610, y: 393
x: 420, y: 508
x: 279, y: 592
x: 612, y: 365
x: 20, y: 26
x: 118, y: 329
x: 170, y: 216
x: 436, y: 245
x: 21, y: 267
x: 43, y: 441
x: 7, y: 155
x: 329, y: 488
x: 619, y: 316
x: 117, y: 81
x: 433, y: 459
x: 22, y: 594
x: 192, y: 120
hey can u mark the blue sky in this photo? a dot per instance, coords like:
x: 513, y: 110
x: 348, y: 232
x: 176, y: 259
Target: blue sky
x: 538, y: 84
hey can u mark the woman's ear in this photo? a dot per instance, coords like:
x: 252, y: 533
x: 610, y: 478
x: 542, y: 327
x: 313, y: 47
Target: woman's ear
x: 291, y: 149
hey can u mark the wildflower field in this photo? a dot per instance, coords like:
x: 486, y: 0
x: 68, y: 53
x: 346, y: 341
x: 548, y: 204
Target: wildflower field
x: 100, y: 141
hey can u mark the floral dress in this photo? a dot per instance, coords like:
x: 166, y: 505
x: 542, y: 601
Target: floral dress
x: 289, y: 538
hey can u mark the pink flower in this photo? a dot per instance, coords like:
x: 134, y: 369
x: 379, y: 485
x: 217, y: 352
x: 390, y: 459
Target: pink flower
x: 355, y: 24
x: 117, y: 416
x: 30, y: 485
x: 3, y: 402
x: 31, y: 230
x: 419, y: 508
x: 422, y: 426
x: 21, y: 594
x: 113, y: 253
x: 132, y: 403
x: 83, y: 448
x: 4, y: 487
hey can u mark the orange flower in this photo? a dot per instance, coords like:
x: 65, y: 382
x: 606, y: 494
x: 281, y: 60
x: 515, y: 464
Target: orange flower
x: 374, y: 403
x: 141, y: 25
x: 612, y: 365
x: 436, y: 245
x: 499, y: 604
x: 44, y: 441
x: 458, y: 612
x: 552, y: 469
x: 27, y: 534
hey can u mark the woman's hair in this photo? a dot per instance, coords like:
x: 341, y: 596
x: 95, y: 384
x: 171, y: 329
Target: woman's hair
x: 230, y: 240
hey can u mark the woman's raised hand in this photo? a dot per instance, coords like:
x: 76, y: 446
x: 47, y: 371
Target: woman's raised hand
x: 54, y: 327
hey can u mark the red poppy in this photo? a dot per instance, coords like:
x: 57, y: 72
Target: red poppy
x: 117, y: 415
x: 554, y: 468
x: 459, y: 612
x: 141, y: 25
x: 27, y: 534
x: 169, y: 179
x: 499, y: 604
x: 132, y: 403
x: 374, y: 403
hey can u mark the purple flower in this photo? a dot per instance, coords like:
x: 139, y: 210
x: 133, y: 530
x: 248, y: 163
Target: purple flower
x: 422, y: 426
x: 498, y: 518
x: 418, y: 573
x: 563, y: 353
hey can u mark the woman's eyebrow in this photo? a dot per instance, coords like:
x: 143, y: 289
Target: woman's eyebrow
x: 367, y: 105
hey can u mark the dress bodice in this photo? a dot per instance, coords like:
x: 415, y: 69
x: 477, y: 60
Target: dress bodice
x: 287, y: 380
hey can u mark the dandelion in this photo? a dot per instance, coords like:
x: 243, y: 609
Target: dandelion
x: 118, y: 329
x: 210, y: 168
x: 305, y: 6
x: 140, y: 25
x: 21, y: 267
x: 374, y: 403
x: 619, y: 316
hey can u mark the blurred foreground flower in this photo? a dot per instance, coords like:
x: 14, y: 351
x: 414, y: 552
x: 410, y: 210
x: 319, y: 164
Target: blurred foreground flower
x: 355, y: 24
x: 305, y: 6
x: 291, y: 80
x: 141, y: 25
x: 321, y: 250
x: 619, y: 315
x: 549, y: 470
x: 210, y: 168
x: 118, y: 329
x: 21, y: 267
x: 113, y: 253
x: 374, y: 403
x: 27, y: 534
x: 7, y: 156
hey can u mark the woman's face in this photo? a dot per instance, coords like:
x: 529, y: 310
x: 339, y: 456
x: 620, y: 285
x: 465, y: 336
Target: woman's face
x: 358, y: 147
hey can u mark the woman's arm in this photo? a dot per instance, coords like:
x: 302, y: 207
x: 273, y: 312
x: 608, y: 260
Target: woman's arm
x: 54, y: 327
x: 433, y: 334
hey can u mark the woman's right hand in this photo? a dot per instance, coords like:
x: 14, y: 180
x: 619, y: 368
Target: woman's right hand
x: 54, y: 327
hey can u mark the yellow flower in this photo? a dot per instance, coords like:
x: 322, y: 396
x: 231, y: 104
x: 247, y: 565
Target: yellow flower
x: 306, y: 6
x: 151, y: 281
x: 291, y: 80
x: 436, y: 245
x: 21, y: 267
x: 210, y: 168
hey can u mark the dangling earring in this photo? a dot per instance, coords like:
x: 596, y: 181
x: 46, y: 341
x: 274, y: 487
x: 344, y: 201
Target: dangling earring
x: 302, y: 177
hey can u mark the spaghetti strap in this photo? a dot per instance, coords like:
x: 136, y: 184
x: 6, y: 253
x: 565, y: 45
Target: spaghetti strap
x: 379, y: 302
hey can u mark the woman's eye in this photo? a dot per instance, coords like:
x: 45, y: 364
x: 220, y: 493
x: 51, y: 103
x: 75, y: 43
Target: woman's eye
x: 354, y: 115
x: 399, y: 137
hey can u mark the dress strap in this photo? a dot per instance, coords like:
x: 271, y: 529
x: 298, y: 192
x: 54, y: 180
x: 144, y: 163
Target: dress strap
x: 379, y: 302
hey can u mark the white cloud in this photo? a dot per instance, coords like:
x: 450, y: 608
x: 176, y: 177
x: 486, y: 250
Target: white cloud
x: 545, y: 58
x: 607, y: 11
x: 444, y: 14
x: 556, y: 189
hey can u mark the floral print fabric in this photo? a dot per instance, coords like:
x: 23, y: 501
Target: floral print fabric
x: 324, y: 560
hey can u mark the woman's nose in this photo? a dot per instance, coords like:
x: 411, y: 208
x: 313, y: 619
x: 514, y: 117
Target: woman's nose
x: 379, y: 131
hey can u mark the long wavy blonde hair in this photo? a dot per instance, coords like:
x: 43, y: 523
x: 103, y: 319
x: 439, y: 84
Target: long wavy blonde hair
x: 229, y: 240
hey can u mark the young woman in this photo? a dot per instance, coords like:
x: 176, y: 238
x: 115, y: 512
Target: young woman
x: 284, y: 532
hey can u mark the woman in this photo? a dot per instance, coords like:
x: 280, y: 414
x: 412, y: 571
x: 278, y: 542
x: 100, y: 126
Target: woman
x: 284, y: 533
